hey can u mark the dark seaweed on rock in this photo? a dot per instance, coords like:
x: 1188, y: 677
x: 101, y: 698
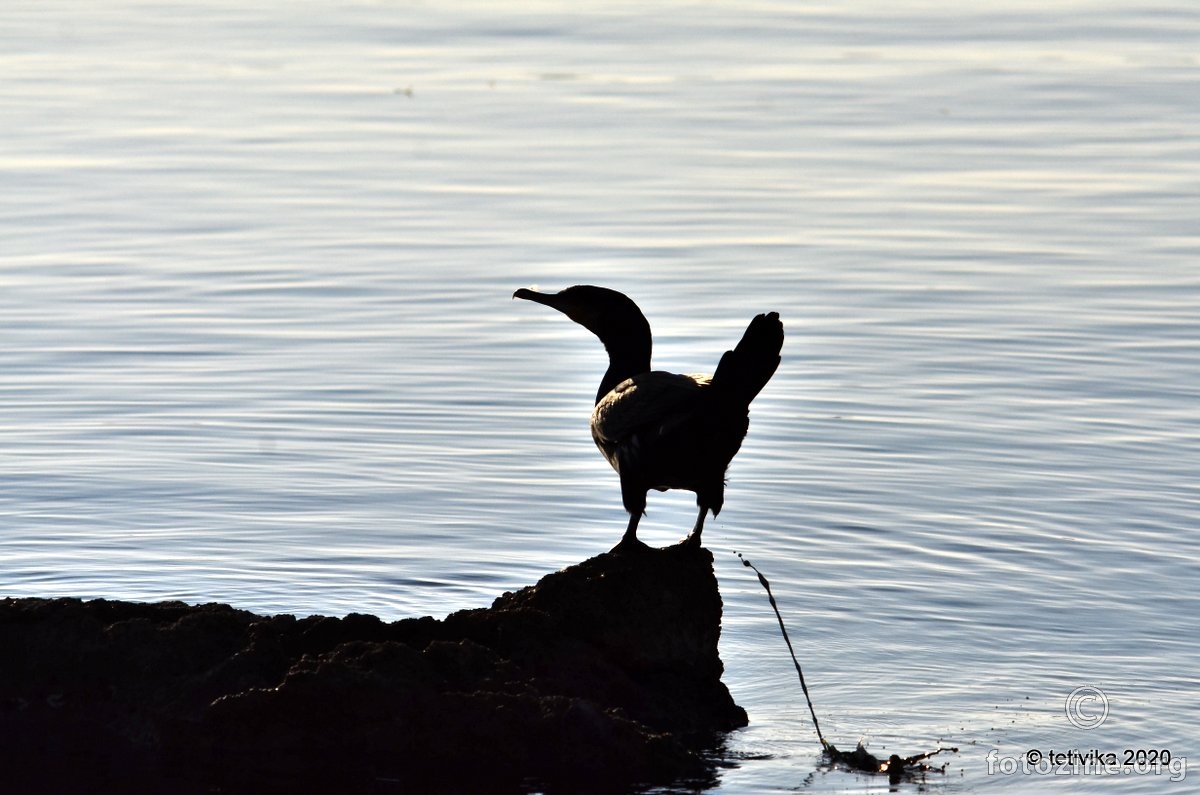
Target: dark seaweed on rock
x: 895, y: 766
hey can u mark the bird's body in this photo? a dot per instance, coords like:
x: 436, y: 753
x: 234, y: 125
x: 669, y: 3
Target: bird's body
x: 663, y: 430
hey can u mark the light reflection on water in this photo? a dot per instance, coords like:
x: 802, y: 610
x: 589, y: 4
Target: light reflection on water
x: 259, y: 346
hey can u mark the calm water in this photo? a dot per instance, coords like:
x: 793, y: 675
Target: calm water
x: 257, y: 345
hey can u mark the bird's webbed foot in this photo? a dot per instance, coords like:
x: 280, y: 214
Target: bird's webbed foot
x: 630, y: 542
x: 693, y: 539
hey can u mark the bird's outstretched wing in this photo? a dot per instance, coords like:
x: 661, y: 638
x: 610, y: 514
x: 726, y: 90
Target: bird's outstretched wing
x: 745, y: 370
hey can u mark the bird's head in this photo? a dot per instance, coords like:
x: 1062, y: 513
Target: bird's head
x: 606, y: 313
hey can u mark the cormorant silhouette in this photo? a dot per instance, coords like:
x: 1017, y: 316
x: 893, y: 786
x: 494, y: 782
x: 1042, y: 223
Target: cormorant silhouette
x: 661, y: 430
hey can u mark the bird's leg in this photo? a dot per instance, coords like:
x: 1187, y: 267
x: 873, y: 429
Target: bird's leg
x: 693, y: 539
x: 630, y: 541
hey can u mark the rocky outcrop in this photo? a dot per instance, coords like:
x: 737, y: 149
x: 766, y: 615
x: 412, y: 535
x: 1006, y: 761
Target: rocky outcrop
x: 604, y: 675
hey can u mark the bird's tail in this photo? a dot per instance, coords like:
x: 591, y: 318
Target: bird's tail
x: 745, y: 370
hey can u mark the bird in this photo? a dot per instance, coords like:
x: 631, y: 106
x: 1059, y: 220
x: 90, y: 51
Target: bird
x: 662, y: 430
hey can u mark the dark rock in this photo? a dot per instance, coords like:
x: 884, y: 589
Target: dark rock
x: 604, y: 675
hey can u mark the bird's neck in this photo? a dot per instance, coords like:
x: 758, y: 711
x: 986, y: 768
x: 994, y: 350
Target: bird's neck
x: 628, y: 356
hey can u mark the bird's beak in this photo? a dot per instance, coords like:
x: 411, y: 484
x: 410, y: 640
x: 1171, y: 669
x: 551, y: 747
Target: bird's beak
x: 559, y: 301
x: 540, y: 298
